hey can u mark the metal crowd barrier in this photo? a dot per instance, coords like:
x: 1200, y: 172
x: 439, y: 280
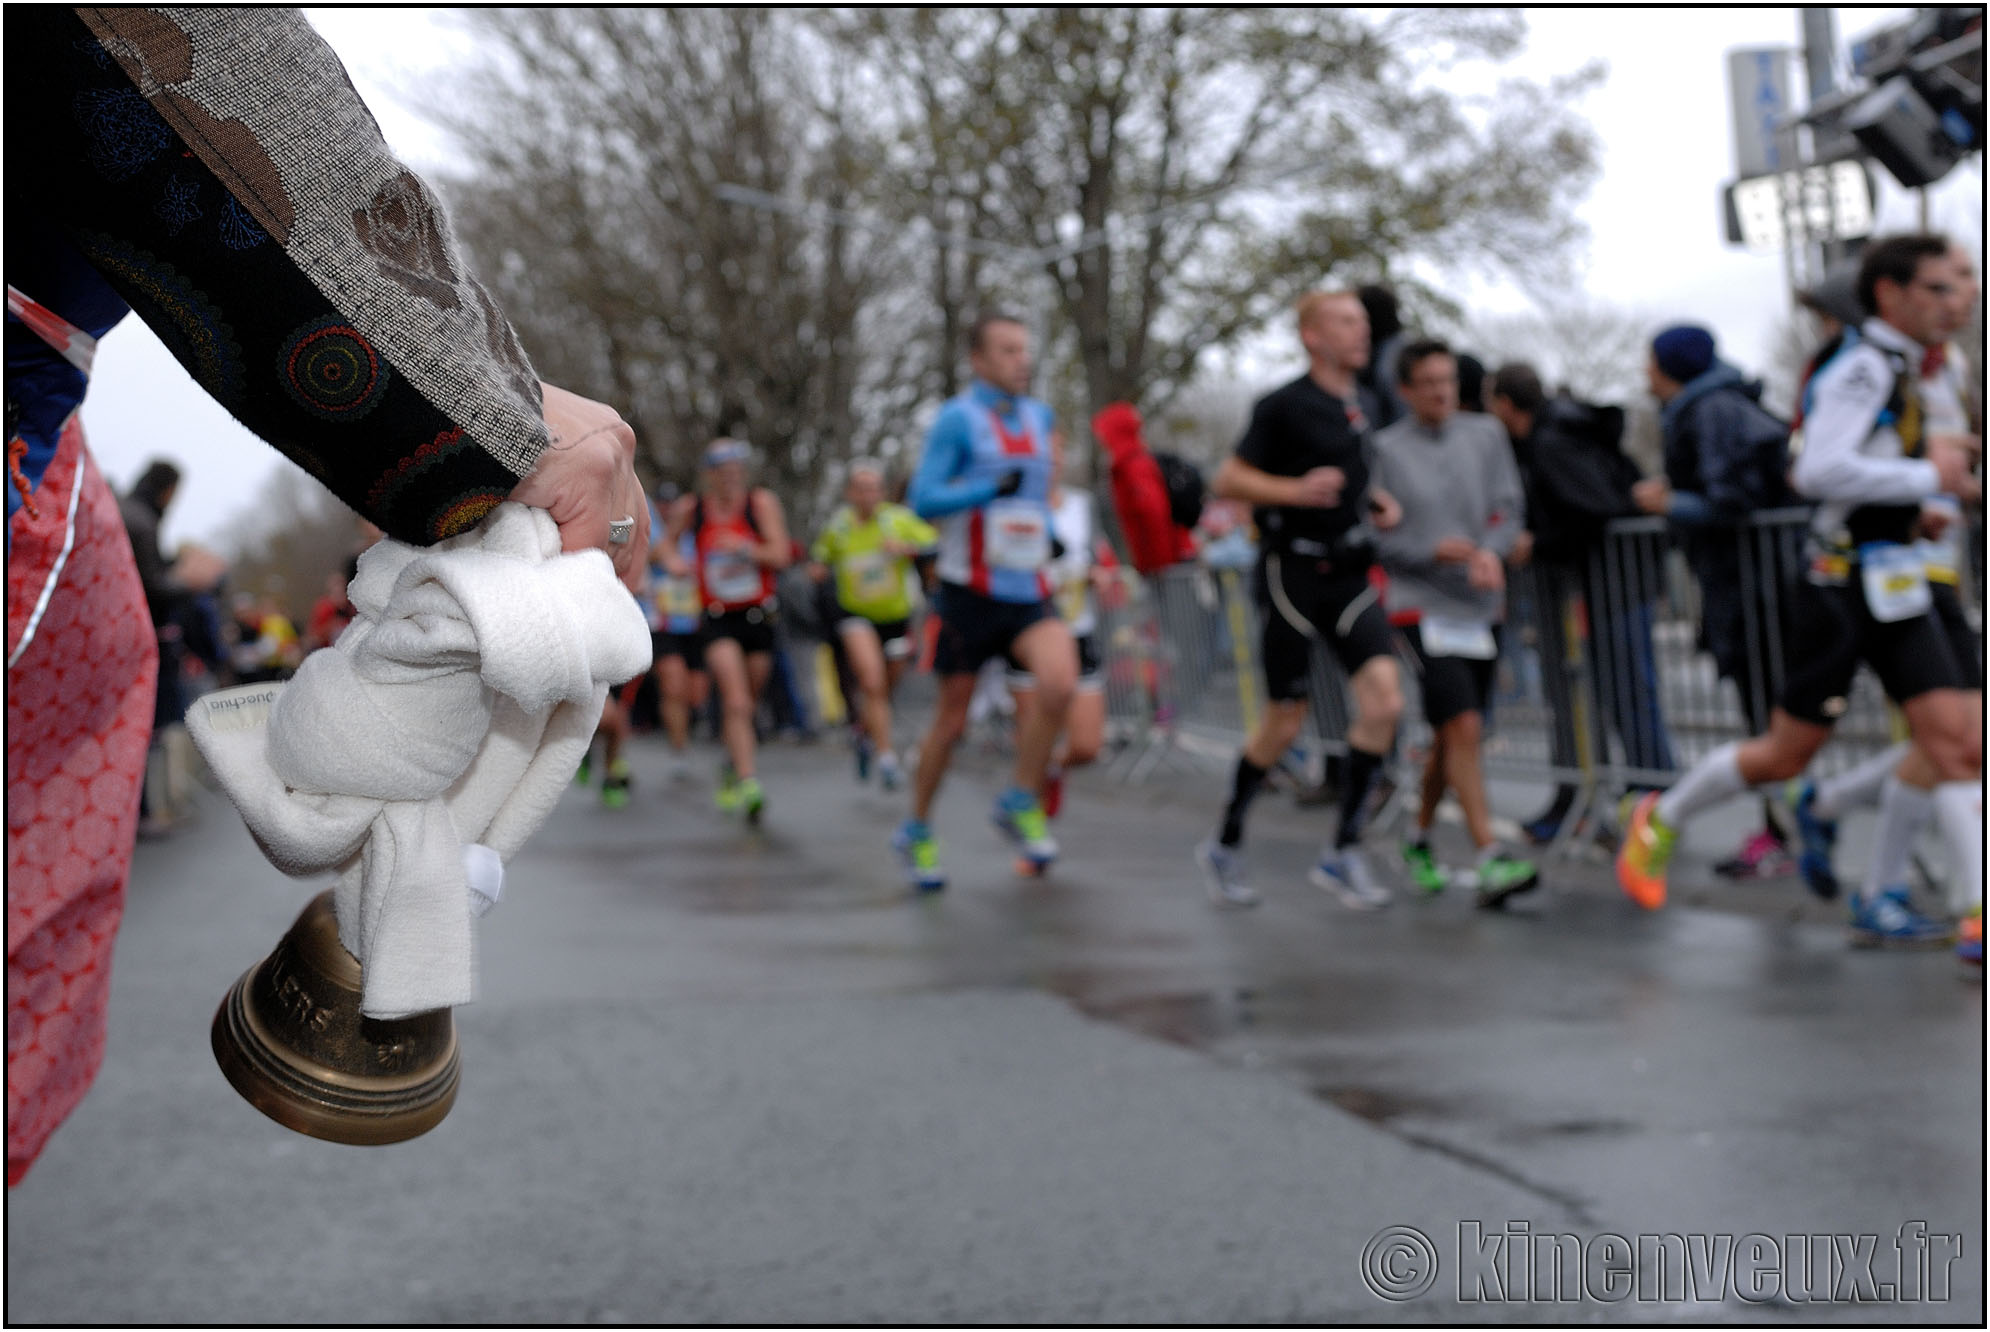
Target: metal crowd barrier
x: 1602, y: 684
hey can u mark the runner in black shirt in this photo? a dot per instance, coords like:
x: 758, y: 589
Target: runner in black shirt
x: 1300, y: 464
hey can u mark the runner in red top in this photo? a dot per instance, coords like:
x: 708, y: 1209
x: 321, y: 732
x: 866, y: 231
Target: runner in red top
x: 741, y: 539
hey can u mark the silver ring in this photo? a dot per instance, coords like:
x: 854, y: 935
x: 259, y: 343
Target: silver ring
x: 620, y: 531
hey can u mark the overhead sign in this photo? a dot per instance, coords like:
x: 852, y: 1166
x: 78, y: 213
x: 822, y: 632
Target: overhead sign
x: 1758, y: 87
x: 1833, y: 201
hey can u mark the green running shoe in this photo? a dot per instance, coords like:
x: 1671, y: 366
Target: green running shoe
x: 919, y: 851
x: 1425, y: 872
x: 1504, y: 876
x: 752, y: 799
x: 727, y: 797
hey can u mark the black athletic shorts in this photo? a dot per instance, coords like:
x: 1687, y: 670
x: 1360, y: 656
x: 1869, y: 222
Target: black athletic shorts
x: 691, y: 647
x: 1829, y: 631
x: 752, y: 629
x: 1452, y: 686
x: 1964, y: 641
x: 975, y: 629
x: 1300, y: 600
x: 894, y: 636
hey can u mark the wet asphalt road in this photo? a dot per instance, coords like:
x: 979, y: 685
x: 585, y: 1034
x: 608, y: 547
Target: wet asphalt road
x: 717, y: 1075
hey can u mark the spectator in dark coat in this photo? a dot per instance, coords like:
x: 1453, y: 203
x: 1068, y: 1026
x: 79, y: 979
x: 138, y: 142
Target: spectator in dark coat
x: 1577, y: 479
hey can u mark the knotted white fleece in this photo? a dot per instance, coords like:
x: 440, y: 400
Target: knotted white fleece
x: 430, y: 741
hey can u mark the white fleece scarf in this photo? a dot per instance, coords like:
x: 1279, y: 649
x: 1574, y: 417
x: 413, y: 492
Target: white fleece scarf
x: 422, y: 749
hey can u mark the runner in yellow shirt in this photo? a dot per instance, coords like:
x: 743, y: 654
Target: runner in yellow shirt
x: 868, y: 547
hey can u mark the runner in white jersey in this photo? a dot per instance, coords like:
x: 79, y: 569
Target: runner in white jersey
x: 1872, y: 463
x: 1898, y: 781
x: 1083, y: 568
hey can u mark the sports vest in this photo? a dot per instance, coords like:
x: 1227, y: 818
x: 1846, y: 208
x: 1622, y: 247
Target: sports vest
x: 1001, y: 549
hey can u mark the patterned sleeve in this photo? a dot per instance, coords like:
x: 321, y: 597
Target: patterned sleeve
x: 216, y: 166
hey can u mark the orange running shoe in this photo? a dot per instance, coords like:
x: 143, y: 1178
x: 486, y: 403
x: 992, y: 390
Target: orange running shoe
x: 1969, y: 938
x: 1646, y: 851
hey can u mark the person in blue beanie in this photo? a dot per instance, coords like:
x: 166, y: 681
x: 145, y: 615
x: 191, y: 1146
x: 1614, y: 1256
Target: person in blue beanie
x: 1726, y: 457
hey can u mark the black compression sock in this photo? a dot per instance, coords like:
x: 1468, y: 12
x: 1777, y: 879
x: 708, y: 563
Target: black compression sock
x: 1362, y: 770
x: 1245, y: 789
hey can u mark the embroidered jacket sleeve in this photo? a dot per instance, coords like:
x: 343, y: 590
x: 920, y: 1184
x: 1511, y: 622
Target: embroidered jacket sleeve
x: 217, y: 168
x: 1846, y: 400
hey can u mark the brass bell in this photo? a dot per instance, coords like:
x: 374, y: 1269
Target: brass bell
x: 290, y: 1038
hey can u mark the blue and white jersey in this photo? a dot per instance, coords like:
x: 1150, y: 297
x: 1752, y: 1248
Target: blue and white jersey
x: 997, y: 546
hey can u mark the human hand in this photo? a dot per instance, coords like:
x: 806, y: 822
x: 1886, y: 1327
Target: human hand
x: 1384, y: 510
x: 1454, y: 550
x: 1523, y: 550
x: 1485, y: 572
x: 1935, y: 520
x: 1652, y: 496
x: 1320, y: 488
x: 586, y: 479
x: 1953, y: 461
x: 198, y: 569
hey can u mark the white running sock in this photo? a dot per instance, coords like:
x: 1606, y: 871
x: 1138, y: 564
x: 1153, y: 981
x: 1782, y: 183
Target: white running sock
x: 1959, y: 808
x: 1903, y: 812
x: 1713, y: 779
x: 1860, y: 787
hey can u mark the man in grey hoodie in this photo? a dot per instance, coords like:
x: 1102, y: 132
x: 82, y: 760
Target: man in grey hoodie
x: 1454, y: 475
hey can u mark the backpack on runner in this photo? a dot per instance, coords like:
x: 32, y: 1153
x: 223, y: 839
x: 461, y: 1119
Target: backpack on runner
x: 1186, y: 488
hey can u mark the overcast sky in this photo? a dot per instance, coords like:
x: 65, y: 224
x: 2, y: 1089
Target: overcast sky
x: 1655, y: 245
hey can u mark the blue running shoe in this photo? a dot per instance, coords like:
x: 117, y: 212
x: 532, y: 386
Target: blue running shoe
x: 863, y: 757
x: 1818, y: 836
x: 1023, y: 822
x: 1890, y: 921
x: 919, y: 851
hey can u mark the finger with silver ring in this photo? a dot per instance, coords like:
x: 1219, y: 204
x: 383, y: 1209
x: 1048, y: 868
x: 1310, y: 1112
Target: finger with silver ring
x: 620, y: 531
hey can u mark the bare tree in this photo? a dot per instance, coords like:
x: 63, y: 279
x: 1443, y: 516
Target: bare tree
x: 1593, y: 350
x: 600, y: 141
x: 1187, y: 172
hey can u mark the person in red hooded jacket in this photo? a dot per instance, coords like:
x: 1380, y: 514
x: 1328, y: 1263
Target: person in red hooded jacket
x: 1139, y: 495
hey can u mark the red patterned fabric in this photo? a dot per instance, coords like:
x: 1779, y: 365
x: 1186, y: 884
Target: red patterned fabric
x: 79, y: 718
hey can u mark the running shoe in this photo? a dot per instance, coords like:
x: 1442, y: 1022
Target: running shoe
x: 1503, y: 876
x: 1818, y: 837
x: 1022, y: 821
x: 1762, y: 856
x: 727, y: 798
x: 919, y: 851
x: 1223, y: 874
x: 1053, y: 792
x: 890, y: 777
x: 752, y: 799
x: 1890, y: 921
x: 1646, y: 851
x: 615, y: 785
x: 863, y: 758
x: 1969, y: 938
x: 1428, y: 876
x: 1344, y: 873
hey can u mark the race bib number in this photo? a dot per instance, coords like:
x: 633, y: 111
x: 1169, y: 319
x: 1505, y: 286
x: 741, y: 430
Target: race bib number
x: 1017, y: 535
x: 732, y: 576
x: 1071, y: 598
x: 1896, y: 582
x: 1446, y: 637
x: 678, y: 598
x: 873, y: 576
